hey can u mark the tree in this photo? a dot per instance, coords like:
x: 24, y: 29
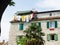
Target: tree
x: 34, y: 33
x: 11, y: 3
x: 3, y: 5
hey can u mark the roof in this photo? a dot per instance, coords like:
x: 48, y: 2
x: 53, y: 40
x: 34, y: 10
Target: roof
x: 30, y: 11
x: 25, y: 12
x: 48, y: 18
x: 48, y: 11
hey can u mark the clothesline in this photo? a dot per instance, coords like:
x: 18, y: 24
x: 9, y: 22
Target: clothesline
x: 24, y: 17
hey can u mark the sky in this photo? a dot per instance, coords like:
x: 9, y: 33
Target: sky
x: 22, y: 5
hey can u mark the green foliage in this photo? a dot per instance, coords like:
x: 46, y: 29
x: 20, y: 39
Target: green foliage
x: 33, y: 36
x: 11, y: 3
x: 35, y: 32
x: 21, y: 41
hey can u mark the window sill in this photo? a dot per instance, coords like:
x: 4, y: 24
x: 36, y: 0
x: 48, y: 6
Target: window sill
x: 52, y: 41
x: 51, y: 28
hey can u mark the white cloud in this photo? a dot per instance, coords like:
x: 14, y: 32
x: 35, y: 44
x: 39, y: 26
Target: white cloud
x: 49, y: 4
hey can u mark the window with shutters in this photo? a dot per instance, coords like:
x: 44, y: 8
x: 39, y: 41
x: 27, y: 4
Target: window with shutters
x: 50, y: 14
x: 20, y: 26
x: 52, y: 24
x: 52, y: 37
x: 38, y: 23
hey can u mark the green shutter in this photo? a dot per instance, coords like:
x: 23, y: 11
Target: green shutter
x: 39, y: 24
x: 21, y: 27
x: 56, y: 37
x: 55, y: 24
x: 32, y: 23
x: 47, y: 24
x: 48, y: 37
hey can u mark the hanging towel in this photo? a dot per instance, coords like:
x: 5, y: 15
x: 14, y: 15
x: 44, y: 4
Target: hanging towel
x: 22, y: 18
x: 31, y: 16
x: 27, y: 18
x: 18, y: 18
x: 14, y: 17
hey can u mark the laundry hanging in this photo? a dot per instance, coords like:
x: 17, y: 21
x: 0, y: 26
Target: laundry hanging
x: 14, y: 17
x: 23, y: 18
x: 18, y: 18
x: 27, y: 18
x: 31, y: 16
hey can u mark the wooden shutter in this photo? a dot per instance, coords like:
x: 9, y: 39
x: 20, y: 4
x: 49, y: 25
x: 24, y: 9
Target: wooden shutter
x: 48, y: 37
x: 56, y: 37
x: 55, y: 24
x: 32, y: 23
x: 47, y: 24
x: 21, y: 27
x: 39, y: 24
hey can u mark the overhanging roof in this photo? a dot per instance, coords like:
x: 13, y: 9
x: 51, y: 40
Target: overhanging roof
x: 49, y: 11
x: 30, y: 11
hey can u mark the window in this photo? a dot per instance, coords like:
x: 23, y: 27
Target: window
x: 50, y: 14
x: 52, y: 37
x: 38, y: 23
x: 52, y: 24
x: 20, y: 26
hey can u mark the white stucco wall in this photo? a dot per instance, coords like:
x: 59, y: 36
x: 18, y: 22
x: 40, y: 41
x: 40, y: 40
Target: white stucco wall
x: 14, y: 29
x: 44, y: 15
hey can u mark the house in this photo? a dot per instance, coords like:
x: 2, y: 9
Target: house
x: 48, y: 20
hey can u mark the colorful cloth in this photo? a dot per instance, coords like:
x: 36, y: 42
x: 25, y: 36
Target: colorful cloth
x: 22, y: 18
x: 18, y: 17
x: 14, y: 17
x: 31, y: 16
x: 27, y: 18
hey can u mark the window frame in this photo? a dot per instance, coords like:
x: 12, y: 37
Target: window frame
x: 51, y: 24
x: 50, y: 39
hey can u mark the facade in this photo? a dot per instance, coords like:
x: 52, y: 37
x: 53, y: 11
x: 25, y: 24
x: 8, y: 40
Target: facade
x: 48, y: 20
